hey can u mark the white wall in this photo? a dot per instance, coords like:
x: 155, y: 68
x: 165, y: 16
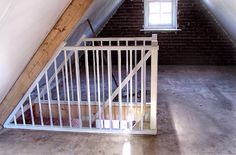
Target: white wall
x: 23, y: 26
x: 225, y: 12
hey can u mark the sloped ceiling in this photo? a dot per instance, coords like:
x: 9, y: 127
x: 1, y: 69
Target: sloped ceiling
x: 98, y: 14
x: 225, y: 13
x: 23, y: 26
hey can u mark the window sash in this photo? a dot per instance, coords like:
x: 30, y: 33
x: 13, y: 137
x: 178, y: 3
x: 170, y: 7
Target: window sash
x: 171, y: 25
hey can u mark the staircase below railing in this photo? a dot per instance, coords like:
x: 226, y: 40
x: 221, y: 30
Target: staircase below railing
x: 105, y: 85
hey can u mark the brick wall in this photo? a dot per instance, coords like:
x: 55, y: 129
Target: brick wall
x: 200, y: 42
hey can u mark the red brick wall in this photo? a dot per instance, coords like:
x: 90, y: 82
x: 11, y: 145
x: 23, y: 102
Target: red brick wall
x: 200, y: 42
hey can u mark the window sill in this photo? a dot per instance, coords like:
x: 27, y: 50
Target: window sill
x: 161, y: 30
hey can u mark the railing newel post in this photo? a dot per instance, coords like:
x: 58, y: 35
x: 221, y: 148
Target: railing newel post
x: 154, y: 78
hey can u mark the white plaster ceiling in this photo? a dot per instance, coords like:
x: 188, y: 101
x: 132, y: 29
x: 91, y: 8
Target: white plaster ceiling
x: 23, y: 26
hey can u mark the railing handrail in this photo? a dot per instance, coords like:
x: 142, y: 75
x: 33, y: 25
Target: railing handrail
x: 118, y: 39
x: 103, y: 48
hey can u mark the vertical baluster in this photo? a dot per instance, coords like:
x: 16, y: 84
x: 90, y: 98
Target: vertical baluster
x: 94, y: 74
x: 136, y: 82
x: 142, y: 88
x: 78, y: 86
x: 88, y: 87
x: 58, y: 93
x: 98, y: 84
x: 110, y: 85
x: 43, y: 95
x: 40, y: 106
x: 15, y: 122
x: 64, y: 83
x: 49, y: 99
x: 144, y: 84
x: 71, y: 80
x: 131, y: 92
x: 67, y: 88
x: 103, y: 80
x: 127, y: 86
x: 31, y: 110
x: 22, y: 113
x: 120, y: 90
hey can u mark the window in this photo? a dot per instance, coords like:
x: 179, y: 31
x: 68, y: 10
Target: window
x: 160, y: 14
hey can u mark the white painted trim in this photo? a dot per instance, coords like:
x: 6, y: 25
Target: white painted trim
x: 88, y: 87
x: 67, y: 87
x: 86, y: 103
x: 119, y: 39
x: 162, y: 30
x: 81, y: 130
x: 174, y: 23
x: 154, y: 78
x: 105, y: 48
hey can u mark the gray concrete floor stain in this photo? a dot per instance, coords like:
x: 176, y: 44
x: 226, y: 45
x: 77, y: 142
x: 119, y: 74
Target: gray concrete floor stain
x: 196, y: 116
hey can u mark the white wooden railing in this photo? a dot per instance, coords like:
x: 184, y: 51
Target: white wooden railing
x: 104, y: 85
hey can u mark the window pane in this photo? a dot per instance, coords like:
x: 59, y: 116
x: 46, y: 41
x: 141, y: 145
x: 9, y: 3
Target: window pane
x: 154, y: 19
x: 166, y: 19
x: 160, y: 14
x: 154, y: 7
x: 166, y: 7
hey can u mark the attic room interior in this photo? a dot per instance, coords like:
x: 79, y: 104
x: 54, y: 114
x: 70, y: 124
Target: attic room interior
x: 118, y: 77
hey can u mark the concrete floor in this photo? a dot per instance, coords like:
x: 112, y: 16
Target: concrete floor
x: 196, y: 116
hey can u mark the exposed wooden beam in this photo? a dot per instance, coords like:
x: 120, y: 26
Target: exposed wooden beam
x: 58, y: 34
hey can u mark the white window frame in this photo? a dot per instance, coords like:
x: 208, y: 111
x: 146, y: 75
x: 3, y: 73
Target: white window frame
x: 172, y: 26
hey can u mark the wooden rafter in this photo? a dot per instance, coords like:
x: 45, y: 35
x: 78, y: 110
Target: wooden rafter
x: 58, y: 34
